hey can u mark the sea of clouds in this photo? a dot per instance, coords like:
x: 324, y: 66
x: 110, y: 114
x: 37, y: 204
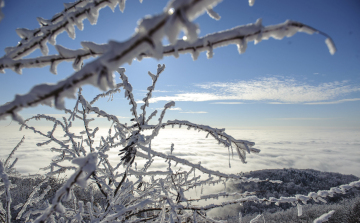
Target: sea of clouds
x: 325, y: 149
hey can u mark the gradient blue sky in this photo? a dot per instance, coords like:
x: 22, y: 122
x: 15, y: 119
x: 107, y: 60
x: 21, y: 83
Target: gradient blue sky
x: 292, y: 82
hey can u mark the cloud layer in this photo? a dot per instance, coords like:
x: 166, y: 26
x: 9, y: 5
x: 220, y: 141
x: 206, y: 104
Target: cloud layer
x: 273, y: 90
x: 334, y: 150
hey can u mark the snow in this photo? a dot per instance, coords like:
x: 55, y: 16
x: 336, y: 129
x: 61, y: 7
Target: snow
x: 325, y: 217
x: 299, y: 208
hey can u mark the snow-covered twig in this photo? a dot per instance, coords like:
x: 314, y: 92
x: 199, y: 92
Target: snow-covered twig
x: 198, y: 166
x: 73, y: 14
x: 87, y: 165
x: 13, y: 151
x: 30, y: 201
x: 150, y: 89
x: 7, y: 184
x: 325, y: 217
x: 239, y: 36
x: 109, y: 93
x: 219, y: 135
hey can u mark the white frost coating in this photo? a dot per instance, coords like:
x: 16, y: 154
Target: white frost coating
x: 7, y: 185
x: 213, y: 14
x: 87, y: 167
x: 331, y: 45
x: 198, y: 166
x: 238, y: 36
x: 112, y: 217
x: 240, y: 145
x: 122, y: 5
x: 257, y: 219
x: 65, y: 52
x: 73, y: 14
x: 6, y: 164
x: 95, y: 48
x: 24, y: 33
x: 299, y: 208
x: 251, y: 2
x: 169, y: 105
x: 30, y: 201
x: 325, y: 217
x: 226, y: 194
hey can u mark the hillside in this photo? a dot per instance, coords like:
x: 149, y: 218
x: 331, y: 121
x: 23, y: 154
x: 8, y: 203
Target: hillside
x: 295, y: 181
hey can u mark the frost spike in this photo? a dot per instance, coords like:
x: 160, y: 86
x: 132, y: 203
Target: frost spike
x: 213, y: 14
x: 331, y: 45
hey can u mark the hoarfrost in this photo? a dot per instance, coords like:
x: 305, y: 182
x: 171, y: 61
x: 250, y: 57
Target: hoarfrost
x: 325, y: 217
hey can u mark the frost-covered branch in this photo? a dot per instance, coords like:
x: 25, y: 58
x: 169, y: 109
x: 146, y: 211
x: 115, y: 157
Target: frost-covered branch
x: 30, y: 199
x: 219, y: 135
x: 99, y: 72
x: 325, y: 217
x: 197, y: 166
x: 128, y: 94
x: 109, y: 93
x: 150, y: 89
x: 73, y: 14
x: 297, y: 200
x: 13, y: 151
x: 239, y: 36
x: 74, y: 151
x: 7, y: 184
x: 87, y: 165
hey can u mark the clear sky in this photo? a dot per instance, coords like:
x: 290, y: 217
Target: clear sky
x: 292, y: 82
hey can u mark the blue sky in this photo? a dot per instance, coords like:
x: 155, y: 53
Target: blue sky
x: 292, y: 82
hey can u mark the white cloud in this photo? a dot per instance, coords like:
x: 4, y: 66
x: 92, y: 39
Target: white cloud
x: 279, y: 103
x: 273, y: 89
x: 161, y: 91
x: 301, y: 119
x: 176, y: 109
x: 333, y: 102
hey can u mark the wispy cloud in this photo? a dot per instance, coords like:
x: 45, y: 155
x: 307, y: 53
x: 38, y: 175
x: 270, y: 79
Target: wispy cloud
x: 300, y: 119
x: 175, y: 109
x: 269, y: 89
x: 333, y: 102
x: 161, y: 91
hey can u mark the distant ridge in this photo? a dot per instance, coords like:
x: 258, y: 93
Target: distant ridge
x: 295, y: 181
